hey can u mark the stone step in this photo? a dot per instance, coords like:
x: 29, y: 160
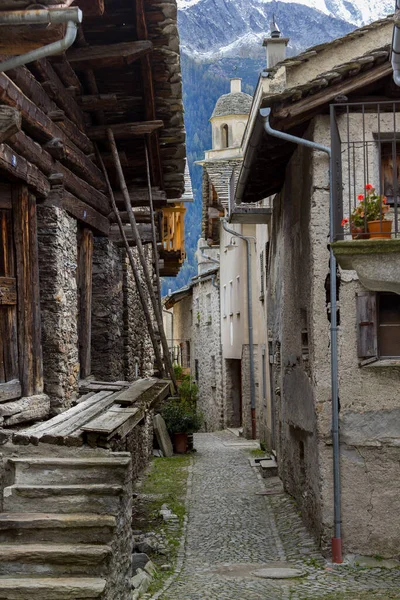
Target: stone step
x: 269, y: 468
x: 44, y: 527
x: 46, y: 471
x: 54, y: 559
x: 92, y: 498
x: 65, y: 588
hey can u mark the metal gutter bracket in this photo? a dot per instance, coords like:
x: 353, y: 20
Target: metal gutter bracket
x: 71, y: 16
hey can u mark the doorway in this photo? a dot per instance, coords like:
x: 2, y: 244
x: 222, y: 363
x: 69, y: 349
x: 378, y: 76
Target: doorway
x: 234, y: 408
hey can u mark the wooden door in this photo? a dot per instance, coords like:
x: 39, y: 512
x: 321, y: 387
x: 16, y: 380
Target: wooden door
x: 10, y: 387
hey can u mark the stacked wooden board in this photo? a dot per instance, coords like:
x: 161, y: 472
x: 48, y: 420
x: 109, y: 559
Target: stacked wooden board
x: 101, y: 417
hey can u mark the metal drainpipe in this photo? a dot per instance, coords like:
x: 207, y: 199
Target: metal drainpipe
x: 214, y: 260
x: 396, y: 46
x: 337, y: 539
x: 71, y: 16
x: 250, y: 325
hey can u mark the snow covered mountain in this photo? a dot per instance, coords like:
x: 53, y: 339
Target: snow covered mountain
x: 229, y: 28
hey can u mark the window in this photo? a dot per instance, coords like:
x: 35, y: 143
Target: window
x: 231, y: 297
x: 378, y: 316
x: 262, y: 276
x: 224, y: 136
x: 390, y: 162
x: 238, y: 292
x: 224, y: 313
x: 208, y: 309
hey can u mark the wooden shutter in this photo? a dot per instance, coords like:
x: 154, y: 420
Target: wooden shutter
x: 367, y: 326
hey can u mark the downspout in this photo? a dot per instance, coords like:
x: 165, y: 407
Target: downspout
x: 248, y: 239
x: 71, y: 16
x: 214, y: 260
x: 337, y: 539
x: 396, y: 46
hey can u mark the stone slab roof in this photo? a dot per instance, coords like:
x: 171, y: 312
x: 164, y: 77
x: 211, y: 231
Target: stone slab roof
x: 237, y: 103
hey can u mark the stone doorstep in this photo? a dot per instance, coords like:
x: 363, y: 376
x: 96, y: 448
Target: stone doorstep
x: 255, y: 462
x: 65, y: 588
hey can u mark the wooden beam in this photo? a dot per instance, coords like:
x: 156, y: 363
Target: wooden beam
x: 97, y: 102
x: 18, y: 39
x: 90, y: 8
x: 140, y: 216
x: 124, y: 131
x: 109, y: 56
x: 10, y: 122
x: 300, y: 111
x: 35, y: 92
x: 84, y: 284
x: 29, y: 327
x: 17, y: 168
x: 11, y: 390
x: 139, y: 196
x: 84, y: 213
x: 144, y: 232
x: 38, y: 156
x: 55, y: 89
x: 66, y: 73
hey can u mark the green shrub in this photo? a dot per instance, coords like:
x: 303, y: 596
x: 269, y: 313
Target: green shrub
x: 181, y: 416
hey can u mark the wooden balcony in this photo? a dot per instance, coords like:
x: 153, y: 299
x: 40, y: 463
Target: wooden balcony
x: 173, y: 240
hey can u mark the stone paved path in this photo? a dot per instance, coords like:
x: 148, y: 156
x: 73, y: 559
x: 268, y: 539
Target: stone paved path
x: 233, y: 531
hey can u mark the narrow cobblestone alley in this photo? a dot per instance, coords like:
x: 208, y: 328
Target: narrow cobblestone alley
x: 233, y: 531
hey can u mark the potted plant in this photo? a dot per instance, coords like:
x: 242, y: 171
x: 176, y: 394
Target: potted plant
x: 368, y: 217
x: 181, y: 418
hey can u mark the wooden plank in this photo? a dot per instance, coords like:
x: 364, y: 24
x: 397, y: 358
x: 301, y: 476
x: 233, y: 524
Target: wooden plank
x: 300, y: 111
x: 32, y: 89
x: 84, y: 282
x: 43, y: 128
x: 29, y: 328
x: 59, y: 432
x: 124, y: 131
x: 97, y: 387
x: 111, y: 420
x: 10, y: 390
x: 90, y: 8
x: 55, y: 89
x: 10, y: 122
x: 109, y: 56
x: 94, y: 102
x: 65, y: 416
x: 18, y: 168
x: 134, y: 392
x: 78, y: 209
x: 8, y: 291
x: 37, y: 155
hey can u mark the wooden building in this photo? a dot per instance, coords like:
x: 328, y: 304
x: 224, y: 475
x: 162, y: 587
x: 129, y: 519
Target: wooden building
x: 69, y: 305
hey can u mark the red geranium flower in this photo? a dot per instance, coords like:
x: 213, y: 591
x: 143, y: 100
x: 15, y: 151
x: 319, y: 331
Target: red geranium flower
x: 344, y: 222
x: 360, y: 197
x: 369, y: 186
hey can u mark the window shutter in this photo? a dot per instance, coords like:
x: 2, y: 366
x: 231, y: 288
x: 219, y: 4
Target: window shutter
x: 366, y: 326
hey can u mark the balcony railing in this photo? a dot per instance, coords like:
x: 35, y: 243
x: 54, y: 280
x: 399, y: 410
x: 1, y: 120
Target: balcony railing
x: 366, y: 152
x: 173, y: 230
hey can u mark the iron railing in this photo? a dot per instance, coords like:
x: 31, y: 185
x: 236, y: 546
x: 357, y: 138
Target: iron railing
x: 365, y: 145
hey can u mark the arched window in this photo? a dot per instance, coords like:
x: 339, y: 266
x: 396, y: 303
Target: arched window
x: 224, y: 136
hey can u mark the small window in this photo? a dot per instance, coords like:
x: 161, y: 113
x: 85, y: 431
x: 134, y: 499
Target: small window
x: 262, y: 276
x: 388, y: 325
x: 224, y: 136
x: 231, y: 298
x: 378, y: 317
x: 390, y: 162
x: 224, y: 312
x: 238, y: 296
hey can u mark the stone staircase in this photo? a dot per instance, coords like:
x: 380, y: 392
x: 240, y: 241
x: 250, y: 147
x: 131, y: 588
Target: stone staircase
x: 65, y: 532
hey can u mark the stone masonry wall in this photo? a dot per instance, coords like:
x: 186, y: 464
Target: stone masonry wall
x: 246, y: 398
x: 139, y: 355
x: 107, y: 311
x: 206, y: 339
x: 58, y: 250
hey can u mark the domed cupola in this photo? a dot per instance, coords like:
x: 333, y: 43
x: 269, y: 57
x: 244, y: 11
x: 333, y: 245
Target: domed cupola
x: 230, y: 117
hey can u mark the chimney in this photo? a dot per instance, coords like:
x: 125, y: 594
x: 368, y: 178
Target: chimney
x: 236, y: 85
x: 276, y: 45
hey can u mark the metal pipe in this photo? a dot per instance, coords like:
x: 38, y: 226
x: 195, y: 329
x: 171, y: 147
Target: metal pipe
x: 171, y: 313
x: 250, y: 324
x: 72, y: 16
x: 213, y: 282
x: 395, y: 59
x: 337, y: 539
x: 214, y: 260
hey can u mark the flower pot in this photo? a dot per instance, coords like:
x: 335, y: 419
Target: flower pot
x: 180, y: 442
x: 380, y: 229
x: 359, y: 233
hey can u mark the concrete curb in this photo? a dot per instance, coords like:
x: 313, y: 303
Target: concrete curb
x: 182, y: 545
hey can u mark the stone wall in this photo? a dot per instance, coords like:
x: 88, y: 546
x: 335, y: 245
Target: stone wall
x: 206, y: 339
x: 139, y: 443
x: 58, y: 253
x: 139, y: 354
x: 107, y: 311
x: 246, y: 397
